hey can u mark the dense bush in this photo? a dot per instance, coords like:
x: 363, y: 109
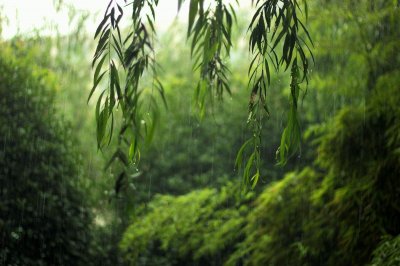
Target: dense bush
x: 199, y: 228
x: 43, y: 220
x: 275, y: 226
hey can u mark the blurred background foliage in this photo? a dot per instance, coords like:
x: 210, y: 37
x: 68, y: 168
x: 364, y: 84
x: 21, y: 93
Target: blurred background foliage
x: 44, y: 219
x: 337, y: 203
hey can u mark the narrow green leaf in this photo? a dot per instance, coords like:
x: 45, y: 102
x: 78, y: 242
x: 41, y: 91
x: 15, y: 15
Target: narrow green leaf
x: 254, y: 179
x: 100, y: 27
x: 98, y: 68
x: 193, y: 8
x: 96, y: 83
x: 239, y: 156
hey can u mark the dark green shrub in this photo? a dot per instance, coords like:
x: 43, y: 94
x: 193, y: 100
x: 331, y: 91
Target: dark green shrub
x: 274, y: 226
x: 42, y: 221
x: 200, y: 228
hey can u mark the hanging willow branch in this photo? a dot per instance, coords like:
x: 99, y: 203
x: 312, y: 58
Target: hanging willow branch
x: 118, y: 82
x: 210, y: 33
x: 278, y: 40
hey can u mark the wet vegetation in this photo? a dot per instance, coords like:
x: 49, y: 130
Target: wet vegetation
x: 169, y: 190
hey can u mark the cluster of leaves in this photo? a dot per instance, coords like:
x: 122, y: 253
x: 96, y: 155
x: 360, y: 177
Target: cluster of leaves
x: 129, y: 57
x: 43, y: 218
x: 333, y: 217
x: 272, y: 23
x: 198, y: 228
x: 210, y: 32
x: 387, y: 253
x: 274, y: 228
x: 187, y: 154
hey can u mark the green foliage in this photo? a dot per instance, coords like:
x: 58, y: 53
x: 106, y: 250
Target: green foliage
x: 275, y: 23
x: 210, y: 32
x: 197, y: 228
x: 43, y: 219
x: 186, y: 154
x: 341, y: 210
x: 336, y: 212
x: 356, y: 42
x: 337, y: 219
x: 333, y: 217
x: 128, y: 57
x: 274, y: 226
x: 67, y: 58
x: 387, y: 253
